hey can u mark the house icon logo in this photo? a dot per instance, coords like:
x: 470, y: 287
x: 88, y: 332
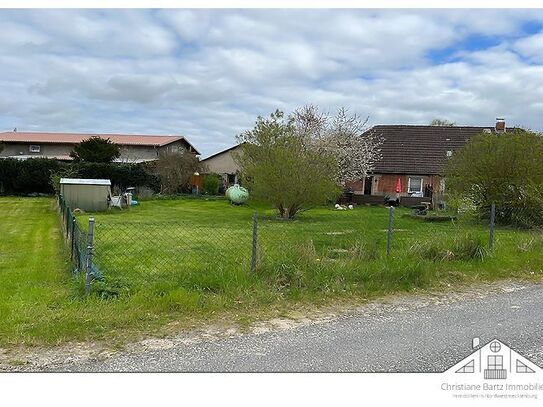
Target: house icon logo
x: 494, y: 361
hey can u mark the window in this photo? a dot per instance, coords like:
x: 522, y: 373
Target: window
x: 495, y: 362
x: 34, y: 148
x: 414, y: 185
x: 522, y: 368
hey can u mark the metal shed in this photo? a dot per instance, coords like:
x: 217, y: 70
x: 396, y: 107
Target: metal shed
x: 86, y: 194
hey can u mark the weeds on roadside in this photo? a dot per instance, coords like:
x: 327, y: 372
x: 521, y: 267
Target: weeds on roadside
x: 462, y: 247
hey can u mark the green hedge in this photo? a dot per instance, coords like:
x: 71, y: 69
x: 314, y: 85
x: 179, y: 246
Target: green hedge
x: 34, y: 175
x: 121, y: 175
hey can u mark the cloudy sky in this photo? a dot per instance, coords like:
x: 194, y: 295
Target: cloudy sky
x: 207, y: 74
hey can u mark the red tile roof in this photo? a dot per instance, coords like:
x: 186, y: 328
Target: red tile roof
x: 74, y: 138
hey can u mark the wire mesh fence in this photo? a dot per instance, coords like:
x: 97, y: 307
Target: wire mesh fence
x: 147, y: 250
x: 74, y: 235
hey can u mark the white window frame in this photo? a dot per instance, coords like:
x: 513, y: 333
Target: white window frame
x: 495, y: 362
x: 34, y: 148
x: 409, y: 190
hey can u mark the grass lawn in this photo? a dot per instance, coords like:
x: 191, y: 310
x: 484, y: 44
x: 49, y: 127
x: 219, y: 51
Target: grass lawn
x: 188, y: 260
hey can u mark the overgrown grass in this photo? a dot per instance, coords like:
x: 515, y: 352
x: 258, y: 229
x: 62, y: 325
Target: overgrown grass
x: 324, y: 255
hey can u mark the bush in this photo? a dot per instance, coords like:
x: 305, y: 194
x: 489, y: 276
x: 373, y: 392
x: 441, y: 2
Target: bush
x: 211, y: 184
x: 29, y: 176
x: 504, y: 169
x: 121, y: 175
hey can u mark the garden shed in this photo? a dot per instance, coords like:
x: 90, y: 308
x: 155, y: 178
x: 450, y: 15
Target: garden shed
x: 86, y: 194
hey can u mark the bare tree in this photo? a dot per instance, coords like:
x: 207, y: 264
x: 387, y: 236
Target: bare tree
x: 442, y: 123
x: 175, y: 170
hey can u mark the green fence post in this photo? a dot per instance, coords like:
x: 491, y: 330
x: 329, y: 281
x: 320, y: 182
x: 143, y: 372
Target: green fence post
x: 254, y: 245
x: 492, y: 226
x: 88, y: 265
x: 73, y: 237
x: 390, y: 228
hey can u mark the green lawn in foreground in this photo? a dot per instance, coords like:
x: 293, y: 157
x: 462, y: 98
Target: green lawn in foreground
x: 187, y: 260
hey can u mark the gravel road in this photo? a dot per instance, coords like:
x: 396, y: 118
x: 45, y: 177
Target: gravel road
x: 410, y: 334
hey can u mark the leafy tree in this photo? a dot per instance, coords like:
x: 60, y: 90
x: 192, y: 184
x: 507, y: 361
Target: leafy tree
x: 96, y: 150
x: 502, y: 168
x: 442, y: 122
x: 175, y: 170
x: 281, y: 163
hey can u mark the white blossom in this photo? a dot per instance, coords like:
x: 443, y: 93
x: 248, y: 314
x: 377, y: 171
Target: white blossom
x: 356, y: 148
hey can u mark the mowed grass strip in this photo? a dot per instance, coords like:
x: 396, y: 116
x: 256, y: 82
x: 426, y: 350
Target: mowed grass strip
x: 187, y: 261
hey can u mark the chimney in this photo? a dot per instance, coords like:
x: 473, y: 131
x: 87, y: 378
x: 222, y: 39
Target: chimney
x: 500, y: 125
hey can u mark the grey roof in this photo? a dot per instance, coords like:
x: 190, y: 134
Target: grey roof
x: 420, y: 150
x: 84, y: 181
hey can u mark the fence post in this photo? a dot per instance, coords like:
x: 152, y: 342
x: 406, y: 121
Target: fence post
x: 492, y: 225
x: 389, y: 230
x: 73, y: 237
x: 254, y: 246
x: 88, y: 265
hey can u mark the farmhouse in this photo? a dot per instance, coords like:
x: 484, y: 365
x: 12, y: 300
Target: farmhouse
x: 134, y: 148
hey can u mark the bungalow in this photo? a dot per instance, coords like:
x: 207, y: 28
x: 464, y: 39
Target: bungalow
x: 134, y: 148
x: 413, y: 160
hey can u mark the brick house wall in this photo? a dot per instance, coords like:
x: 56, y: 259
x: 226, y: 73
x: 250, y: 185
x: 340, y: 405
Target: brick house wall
x: 385, y: 184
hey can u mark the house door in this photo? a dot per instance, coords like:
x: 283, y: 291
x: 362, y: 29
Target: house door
x: 367, y: 185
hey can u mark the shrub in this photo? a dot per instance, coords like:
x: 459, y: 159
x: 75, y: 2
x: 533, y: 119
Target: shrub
x: 121, y: 175
x: 28, y: 176
x: 175, y: 170
x: 501, y: 168
x: 283, y: 166
x: 68, y: 171
x: 211, y: 184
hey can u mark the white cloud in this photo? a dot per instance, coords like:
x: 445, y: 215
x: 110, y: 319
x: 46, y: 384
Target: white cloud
x: 207, y: 74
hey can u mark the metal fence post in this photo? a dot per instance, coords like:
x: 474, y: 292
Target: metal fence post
x: 389, y: 230
x: 88, y: 265
x: 73, y: 237
x: 492, y: 225
x: 254, y: 246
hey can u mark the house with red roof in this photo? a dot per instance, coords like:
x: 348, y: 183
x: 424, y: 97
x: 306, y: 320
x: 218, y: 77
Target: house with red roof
x: 134, y: 147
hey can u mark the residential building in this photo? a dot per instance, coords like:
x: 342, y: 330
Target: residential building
x: 414, y: 158
x: 134, y: 148
x: 223, y: 163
